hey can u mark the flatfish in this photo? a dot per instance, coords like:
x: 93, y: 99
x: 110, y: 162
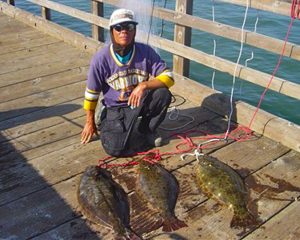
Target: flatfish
x: 159, y: 188
x: 225, y: 185
x: 104, y: 202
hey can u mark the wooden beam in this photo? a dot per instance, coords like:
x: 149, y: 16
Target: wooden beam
x: 11, y: 2
x: 183, y: 36
x: 98, y: 10
x: 251, y: 75
x: 46, y: 13
x: 274, y: 6
x: 251, y: 38
x: 87, y: 17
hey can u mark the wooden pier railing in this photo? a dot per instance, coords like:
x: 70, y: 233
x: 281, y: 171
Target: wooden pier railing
x: 187, y: 53
x: 180, y: 47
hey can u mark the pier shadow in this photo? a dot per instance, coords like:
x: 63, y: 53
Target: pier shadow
x: 210, y: 117
x: 30, y: 206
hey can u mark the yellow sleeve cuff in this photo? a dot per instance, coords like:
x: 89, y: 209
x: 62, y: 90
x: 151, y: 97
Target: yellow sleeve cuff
x: 89, y: 105
x: 167, y: 80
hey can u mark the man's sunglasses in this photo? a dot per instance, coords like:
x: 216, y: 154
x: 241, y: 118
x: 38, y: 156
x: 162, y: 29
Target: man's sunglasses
x: 124, y: 26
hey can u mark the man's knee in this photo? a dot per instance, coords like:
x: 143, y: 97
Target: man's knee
x: 163, y: 95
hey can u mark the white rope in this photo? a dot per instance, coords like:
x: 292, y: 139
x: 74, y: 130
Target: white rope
x: 246, y: 65
x: 252, y: 53
x: 198, y: 151
x: 235, y: 70
x: 174, y: 116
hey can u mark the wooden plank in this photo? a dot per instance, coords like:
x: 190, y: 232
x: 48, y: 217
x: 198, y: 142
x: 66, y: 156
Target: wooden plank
x: 257, y: 153
x: 41, y: 84
x: 33, y: 122
x: 41, y: 59
x: 284, y: 131
x: 87, y: 17
x: 61, y: 162
x: 284, y: 224
x: 98, y: 10
x: 275, y: 6
x: 76, y: 229
x: 40, y: 212
x: 182, y: 35
x: 36, y: 42
x: 43, y: 137
x: 26, y: 54
x: 42, y: 100
x: 69, y: 36
x: 222, y: 65
x: 41, y: 71
x: 12, y: 28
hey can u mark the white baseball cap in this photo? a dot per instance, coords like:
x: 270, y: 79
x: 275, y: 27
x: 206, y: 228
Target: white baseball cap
x: 122, y: 15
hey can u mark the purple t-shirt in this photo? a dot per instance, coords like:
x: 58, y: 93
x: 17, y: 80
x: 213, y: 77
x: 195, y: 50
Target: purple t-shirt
x: 117, y: 80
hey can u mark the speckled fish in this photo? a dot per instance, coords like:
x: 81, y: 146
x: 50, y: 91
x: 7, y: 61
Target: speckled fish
x: 222, y: 183
x: 159, y: 188
x: 104, y: 202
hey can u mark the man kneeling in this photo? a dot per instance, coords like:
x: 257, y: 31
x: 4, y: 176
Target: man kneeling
x: 134, y: 82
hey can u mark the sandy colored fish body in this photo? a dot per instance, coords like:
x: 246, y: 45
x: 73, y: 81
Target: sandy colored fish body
x: 104, y: 202
x: 222, y: 183
x: 160, y: 189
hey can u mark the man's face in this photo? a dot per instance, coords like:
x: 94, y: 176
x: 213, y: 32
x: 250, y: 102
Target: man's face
x: 124, y: 33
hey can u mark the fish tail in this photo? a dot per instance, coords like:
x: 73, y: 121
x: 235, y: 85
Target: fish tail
x: 243, y: 221
x: 172, y: 223
x: 131, y: 235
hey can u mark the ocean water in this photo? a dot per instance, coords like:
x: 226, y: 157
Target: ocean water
x: 269, y: 24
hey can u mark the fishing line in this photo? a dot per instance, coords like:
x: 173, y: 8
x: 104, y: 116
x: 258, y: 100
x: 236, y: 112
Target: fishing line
x: 215, y: 46
x: 252, y: 53
x: 174, y: 116
x: 163, y: 21
x: 151, y: 21
x: 235, y: 70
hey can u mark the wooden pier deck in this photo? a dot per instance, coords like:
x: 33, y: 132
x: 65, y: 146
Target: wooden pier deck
x: 42, y: 80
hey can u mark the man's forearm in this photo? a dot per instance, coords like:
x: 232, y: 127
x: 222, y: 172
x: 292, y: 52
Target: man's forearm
x: 90, y: 116
x: 153, y: 84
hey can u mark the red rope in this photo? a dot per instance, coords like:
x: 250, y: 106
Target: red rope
x: 295, y: 9
x: 294, y: 14
x: 185, y: 146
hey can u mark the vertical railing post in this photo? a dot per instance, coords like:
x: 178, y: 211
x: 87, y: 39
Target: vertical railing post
x: 46, y: 13
x: 11, y: 2
x: 97, y: 9
x: 182, y: 35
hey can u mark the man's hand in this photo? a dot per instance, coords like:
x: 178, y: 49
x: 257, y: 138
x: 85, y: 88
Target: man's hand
x: 89, y: 129
x: 137, y: 94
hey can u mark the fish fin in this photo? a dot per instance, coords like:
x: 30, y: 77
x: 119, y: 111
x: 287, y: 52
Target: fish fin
x: 172, y: 224
x: 245, y: 221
